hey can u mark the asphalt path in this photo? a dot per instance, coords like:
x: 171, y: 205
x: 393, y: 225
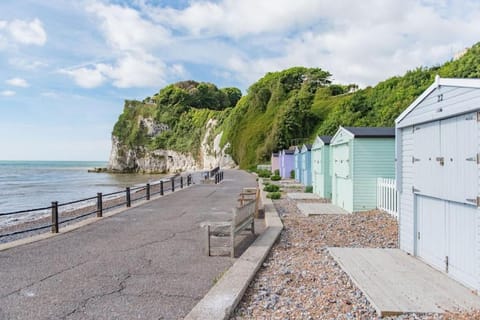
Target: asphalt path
x: 144, y: 263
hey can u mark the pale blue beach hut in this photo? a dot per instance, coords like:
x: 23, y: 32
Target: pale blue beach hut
x: 306, y: 158
x: 298, y: 164
x: 438, y: 178
x: 321, y: 167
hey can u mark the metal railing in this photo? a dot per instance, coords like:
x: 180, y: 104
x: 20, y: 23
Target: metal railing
x: 215, y: 175
x: 96, y: 205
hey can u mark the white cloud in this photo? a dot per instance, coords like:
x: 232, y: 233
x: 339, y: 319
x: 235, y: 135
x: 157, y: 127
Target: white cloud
x: 25, y: 32
x: 17, y: 82
x: 240, y: 18
x: 50, y: 94
x: 362, y: 42
x: 135, y: 71
x: 26, y: 64
x: 86, y: 77
x: 133, y: 40
x: 126, y: 30
x: 7, y: 93
x: 131, y: 70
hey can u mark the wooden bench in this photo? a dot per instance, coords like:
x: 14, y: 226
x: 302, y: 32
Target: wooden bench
x: 242, y: 219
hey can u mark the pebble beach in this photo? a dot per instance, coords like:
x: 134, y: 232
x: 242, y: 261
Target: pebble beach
x: 300, y: 280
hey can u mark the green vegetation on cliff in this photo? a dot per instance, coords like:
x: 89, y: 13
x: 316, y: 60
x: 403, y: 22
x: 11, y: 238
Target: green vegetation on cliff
x: 177, y: 116
x: 293, y: 106
x: 281, y: 109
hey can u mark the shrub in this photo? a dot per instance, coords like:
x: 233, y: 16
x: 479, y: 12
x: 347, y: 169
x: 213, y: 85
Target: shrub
x: 274, y: 195
x: 309, y: 189
x: 292, y: 174
x: 271, y: 188
x: 275, y: 178
x: 276, y: 172
x: 264, y: 173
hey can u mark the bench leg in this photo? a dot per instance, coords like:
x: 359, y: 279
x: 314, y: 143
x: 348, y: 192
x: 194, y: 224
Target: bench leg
x: 207, y: 240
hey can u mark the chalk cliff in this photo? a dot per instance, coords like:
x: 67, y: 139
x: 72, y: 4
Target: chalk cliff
x: 173, y: 132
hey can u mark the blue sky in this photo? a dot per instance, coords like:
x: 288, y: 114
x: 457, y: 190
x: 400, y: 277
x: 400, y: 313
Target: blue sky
x: 67, y: 66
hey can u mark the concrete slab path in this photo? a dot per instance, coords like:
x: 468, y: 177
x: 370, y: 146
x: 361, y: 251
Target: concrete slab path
x: 143, y: 263
x: 302, y: 196
x: 397, y: 283
x: 311, y: 209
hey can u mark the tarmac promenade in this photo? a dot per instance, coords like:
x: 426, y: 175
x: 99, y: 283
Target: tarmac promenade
x: 143, y: 263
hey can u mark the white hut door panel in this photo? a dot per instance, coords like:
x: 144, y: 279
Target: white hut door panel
x: 427, y: 170
x: 431, y: 231
x: 342, y: 162
x: 459, y: 151
x: 461, y: 219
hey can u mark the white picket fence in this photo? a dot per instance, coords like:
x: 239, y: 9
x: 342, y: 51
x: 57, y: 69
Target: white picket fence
x: 387, y: 196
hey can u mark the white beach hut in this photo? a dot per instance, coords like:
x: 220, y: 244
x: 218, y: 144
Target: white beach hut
x: 438, y: 178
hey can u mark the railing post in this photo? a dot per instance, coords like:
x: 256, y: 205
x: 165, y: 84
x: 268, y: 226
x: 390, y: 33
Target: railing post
x: 148, y: 191
x: 99, y: 205
x: 55, y: 217
x: 189, y: 179
x: 161, y: 187
x: 181, y: 182
x: 173, y: 184
x: 129, y: 202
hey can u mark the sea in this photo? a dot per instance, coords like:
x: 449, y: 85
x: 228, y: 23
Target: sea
x: 35, y: 184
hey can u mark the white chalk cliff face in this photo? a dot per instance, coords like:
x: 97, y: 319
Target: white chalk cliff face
x: 139, y: 159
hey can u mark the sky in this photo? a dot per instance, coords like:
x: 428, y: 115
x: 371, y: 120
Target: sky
x: 66, y: 67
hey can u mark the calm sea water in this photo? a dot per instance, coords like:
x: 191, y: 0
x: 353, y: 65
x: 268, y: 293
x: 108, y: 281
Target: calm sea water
x: 34, y: 184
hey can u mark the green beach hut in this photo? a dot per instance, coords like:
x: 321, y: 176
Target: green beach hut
x: 360, y: 155
x: 321, y: 168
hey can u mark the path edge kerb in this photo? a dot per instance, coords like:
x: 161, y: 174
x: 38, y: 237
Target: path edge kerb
x: 224, y: 296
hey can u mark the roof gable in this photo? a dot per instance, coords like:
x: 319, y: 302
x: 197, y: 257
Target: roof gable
x: 320, y: 141
x: 306, y: 147
x: 341, y: 136
x: 439, y: 82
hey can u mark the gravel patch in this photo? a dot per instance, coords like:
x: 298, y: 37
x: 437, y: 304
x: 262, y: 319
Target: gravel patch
x: 300, y: 280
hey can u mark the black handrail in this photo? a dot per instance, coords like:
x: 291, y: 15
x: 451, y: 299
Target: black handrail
x: 163, y: 185
x: 76, y: 201
x: 23, y: 211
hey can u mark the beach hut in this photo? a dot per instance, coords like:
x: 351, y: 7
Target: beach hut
x: 321, y: 170
x: 438, y: 178
x: 286, y: 160
x: 360, y: 155
x: 274, y: 162
x: 306, y: 158
x: 297, y: 164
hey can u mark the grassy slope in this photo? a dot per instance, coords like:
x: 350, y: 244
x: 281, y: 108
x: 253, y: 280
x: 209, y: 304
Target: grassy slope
x: 296, y: 113
x: 280, y: 109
